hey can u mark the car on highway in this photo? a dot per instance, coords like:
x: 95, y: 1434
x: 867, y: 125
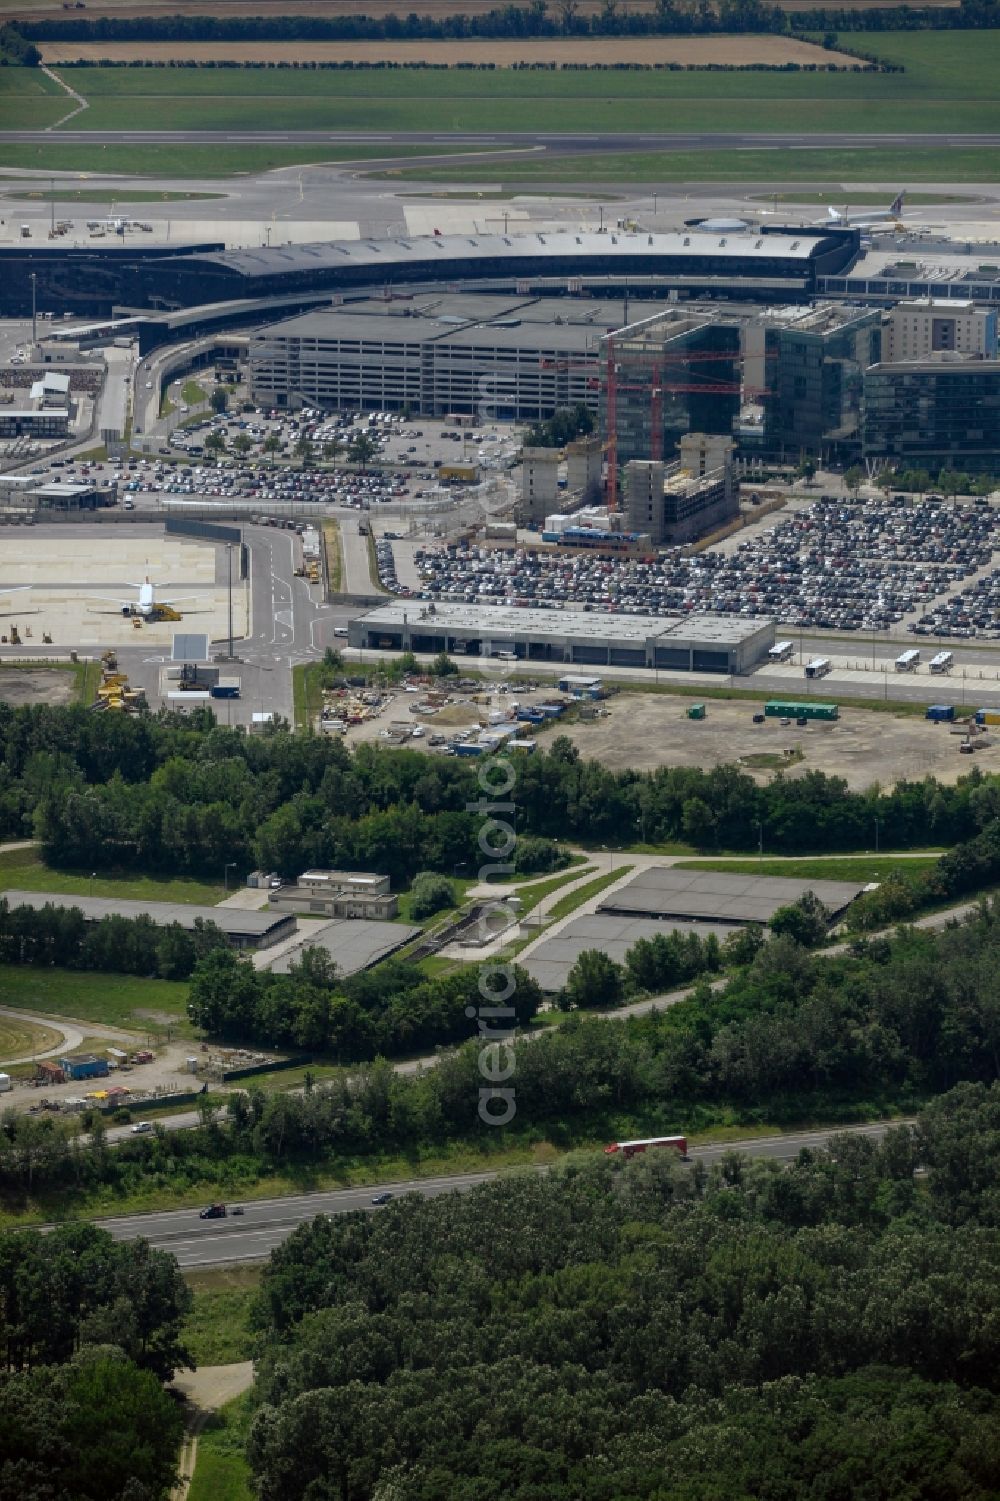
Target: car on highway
x: 141, y: 1128
x: 382, y: 1198
x: 213, y: 1212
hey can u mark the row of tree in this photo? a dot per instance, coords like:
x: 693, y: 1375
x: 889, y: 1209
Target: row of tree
x: 188, y: 795
x: 643, y: 1330
x: 62, y: 936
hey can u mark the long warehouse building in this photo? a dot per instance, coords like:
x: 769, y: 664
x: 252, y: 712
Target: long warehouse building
x: 724, y: 644
x: 244, y: 930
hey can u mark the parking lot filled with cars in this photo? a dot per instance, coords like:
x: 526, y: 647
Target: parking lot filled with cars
x: 835, y: 565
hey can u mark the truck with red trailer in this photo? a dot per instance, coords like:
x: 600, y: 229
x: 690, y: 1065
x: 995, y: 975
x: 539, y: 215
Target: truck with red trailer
x: 643, y: 1144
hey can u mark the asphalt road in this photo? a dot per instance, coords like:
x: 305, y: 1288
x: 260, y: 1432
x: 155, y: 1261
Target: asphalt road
x: 253, y: 1235
x: 568, y: 144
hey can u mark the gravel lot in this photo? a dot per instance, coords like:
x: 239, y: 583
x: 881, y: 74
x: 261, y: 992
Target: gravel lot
x: 649, y: 730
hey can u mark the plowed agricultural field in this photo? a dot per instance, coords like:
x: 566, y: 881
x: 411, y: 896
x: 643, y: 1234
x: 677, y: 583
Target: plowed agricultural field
x: 692, y: 52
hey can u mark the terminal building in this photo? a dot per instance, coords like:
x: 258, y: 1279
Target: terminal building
x: 725, y: 644
x: 776, y: 263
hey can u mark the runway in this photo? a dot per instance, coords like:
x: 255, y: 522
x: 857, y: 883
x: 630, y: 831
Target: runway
x: 496, y: 143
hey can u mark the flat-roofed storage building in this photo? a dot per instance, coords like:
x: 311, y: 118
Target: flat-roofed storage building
x: 699, y: 643
x: 244, y: 930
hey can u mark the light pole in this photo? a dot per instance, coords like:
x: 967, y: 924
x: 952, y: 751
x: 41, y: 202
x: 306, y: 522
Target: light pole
x: 93, y: 877
x: 34, y: 308
x: 760, y: 841
x: 230, y: 865
x: 876, y: 836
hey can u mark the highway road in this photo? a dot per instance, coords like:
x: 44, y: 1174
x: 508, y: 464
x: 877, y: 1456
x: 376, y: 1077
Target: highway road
x: 497, y: 142
x: 253, y: 1235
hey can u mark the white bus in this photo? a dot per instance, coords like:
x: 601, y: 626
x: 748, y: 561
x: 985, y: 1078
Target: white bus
x: 781, y: 651
x: 818, y: 667
x: 907, y: 661
x: 943, y: 662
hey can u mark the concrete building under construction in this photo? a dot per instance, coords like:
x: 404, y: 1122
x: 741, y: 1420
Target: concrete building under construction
x: 676, y: 503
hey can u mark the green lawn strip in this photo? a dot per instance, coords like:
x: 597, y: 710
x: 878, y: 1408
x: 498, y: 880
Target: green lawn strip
x: 96, y: 998
x: 216, y: 1330
x: 841, y: 868
x: 307, y: 693
x: 530, y: 896
x: 201, y: 162
x: 753, y: 167
x: 221, y: 1471
x: 574, y: 899
x: 26, y: 870
x: 192, y: 393
x: 828, y: 199
x: 103, y: 195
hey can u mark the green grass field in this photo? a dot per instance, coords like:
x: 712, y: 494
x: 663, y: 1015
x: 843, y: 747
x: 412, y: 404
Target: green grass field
x: 573, y: 899
x: 216, y: 1330
x: 221, y: 1471
x: 949, y: 85
x: 25, y: 870
x: 840, y: 868
x: 100, y: 999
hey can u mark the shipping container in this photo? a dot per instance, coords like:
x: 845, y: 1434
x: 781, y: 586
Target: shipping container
x: 696, y: 711
x: 226, y: 688
x: 779, y: 709
x: 941, y: 713
x: 988, y: 716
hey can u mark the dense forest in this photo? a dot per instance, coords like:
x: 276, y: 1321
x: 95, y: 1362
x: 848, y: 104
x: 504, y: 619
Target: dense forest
x: 187, y: 795
x: 826, y: 1330
x: 89, y: 1330
x: 791, y: 1037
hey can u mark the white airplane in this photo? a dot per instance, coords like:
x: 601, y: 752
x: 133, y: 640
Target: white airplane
x: 888, y: 220
x: 147, y: 604
x: 6, y: 593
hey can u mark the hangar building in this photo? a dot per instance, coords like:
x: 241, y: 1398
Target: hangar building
x: 695, y: 643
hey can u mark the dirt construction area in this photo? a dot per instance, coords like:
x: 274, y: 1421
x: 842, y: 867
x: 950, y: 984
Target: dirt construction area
x: 24, y: 685
x: 690, y: 52
x: 645, y: 731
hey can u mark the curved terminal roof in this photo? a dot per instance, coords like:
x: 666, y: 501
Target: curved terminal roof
x: 558, y: 246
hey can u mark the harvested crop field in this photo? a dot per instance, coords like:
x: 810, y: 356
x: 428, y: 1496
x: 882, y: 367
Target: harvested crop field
x: 691, y: 52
